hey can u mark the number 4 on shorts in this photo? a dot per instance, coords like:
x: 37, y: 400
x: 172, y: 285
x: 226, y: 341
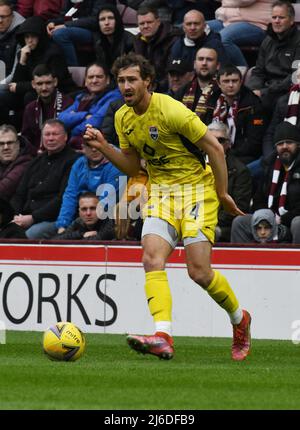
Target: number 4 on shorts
x: 195, y: 211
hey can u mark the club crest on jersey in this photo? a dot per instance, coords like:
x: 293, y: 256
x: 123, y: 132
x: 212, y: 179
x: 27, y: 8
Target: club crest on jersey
x: 153, y: 131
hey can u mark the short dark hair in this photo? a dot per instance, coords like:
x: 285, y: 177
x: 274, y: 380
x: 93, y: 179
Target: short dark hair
x: 54, y: 121
x: 288, y: 4
x: 144, y: 10
x: 42, y: 70
x: 98, y: 64
x: 264, y: 223
x: 8, y: 4
x: 229, y: 69
x: 210, y: 48
x: 88, y: 194
x: 131, y: 60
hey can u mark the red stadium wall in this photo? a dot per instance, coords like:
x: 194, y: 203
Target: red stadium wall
x: 100, y: 288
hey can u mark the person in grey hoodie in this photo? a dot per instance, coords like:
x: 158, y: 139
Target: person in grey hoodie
x: 260, y: 227
x: 265, y: 229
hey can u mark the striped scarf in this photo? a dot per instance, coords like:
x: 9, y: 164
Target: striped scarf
x: 189, y: 97
x: 226, y: 114
x: 53, y: 110
x: 283, y: 192
x: 293, y: 105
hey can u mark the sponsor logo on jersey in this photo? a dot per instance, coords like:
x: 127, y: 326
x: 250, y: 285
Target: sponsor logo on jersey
x: 153, y: 131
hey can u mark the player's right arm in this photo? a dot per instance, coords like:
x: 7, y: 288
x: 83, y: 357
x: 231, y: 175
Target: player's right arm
x: 209, y: 144
x: 127, y: 160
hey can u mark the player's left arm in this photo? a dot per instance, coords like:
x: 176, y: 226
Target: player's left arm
x: 210, y: 145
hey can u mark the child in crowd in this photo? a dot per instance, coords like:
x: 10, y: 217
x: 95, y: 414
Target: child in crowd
x: 265, y: 229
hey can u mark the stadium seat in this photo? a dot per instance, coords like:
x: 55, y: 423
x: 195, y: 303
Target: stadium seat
x: 128, y: 15
x: 247, y: 75
x: 243, y: 70
x: 78, y: 75
x: 297, y: 14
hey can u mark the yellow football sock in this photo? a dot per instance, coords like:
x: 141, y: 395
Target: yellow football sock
x: 220, y: 290
x: 159, y: 295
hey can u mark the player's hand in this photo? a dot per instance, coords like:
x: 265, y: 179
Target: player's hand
x: 93, y: 137
x: 229, y: 205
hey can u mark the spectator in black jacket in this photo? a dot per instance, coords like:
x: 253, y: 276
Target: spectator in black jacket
x: 239, y: 182
x: 75, y: 25
x: 241, y: 110
x: 271, y: 77
x: 38, y: 197
x: 88, y: 226
x: 111, y: 39
x: 180, y: 72
x: 154, y: 42
x: 9, y: 229
x: 36, y: 49
x: 287, y: 108
x: 280, y: 188
x: 197, y: 34
x: 8, y: 43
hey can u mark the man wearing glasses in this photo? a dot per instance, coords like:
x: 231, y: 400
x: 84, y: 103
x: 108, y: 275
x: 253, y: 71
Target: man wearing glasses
x: 14, y: 158
x: 9, y: 23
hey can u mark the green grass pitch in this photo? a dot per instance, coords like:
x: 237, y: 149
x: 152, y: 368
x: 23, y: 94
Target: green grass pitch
x: 110, y: 376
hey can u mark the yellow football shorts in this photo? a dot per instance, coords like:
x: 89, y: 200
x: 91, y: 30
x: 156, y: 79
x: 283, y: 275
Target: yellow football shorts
x: 187, y: 208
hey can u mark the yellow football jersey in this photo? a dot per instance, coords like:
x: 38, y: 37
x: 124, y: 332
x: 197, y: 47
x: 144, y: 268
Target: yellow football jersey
x: 182, y: 188
x: 159, y: 135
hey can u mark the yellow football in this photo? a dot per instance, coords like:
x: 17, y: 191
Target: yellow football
x: 63, y: 342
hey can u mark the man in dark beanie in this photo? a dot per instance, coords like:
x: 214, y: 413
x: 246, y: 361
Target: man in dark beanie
x: 286, y: 131
x: 280, y: 188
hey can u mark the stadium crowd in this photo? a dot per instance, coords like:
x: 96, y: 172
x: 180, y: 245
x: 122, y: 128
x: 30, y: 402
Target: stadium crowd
x: 235, y: 64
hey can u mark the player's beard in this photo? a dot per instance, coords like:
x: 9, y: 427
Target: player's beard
x: 129, y: 102
x: 135, y: 99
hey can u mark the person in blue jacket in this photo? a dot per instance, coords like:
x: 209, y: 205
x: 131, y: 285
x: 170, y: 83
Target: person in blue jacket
x: 91, y: 172
x: 90, y: 105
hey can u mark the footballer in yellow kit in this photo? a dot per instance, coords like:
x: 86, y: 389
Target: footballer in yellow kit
x: 184, y: 199
x: 182, y: 185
